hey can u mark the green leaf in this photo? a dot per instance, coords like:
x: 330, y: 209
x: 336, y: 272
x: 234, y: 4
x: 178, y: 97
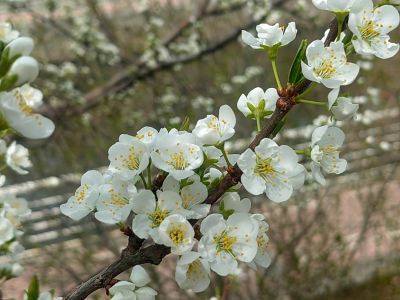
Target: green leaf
x: 185, y: 124
x: 33, y: 290
x: 278, y: 127
x: 295, y: 73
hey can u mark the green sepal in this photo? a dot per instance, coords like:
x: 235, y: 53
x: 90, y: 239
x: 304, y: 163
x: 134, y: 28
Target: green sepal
x: 33, y: 290
x: 225, y: 213
x: 295, y: 74
x: 251, y: 107
x: 8, y: 82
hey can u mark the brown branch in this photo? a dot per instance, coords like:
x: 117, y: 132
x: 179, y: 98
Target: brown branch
x: 135, y: 254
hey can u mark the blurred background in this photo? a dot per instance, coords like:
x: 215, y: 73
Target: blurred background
x: 113, y: 66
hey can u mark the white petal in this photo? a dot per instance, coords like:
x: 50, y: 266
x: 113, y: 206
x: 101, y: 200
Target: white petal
x: 250, y: 40
x: 139, y: 276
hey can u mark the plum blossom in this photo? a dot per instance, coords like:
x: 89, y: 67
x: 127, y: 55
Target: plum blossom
x: 270, y: 36
x: 151, y: 213
x: 212, y: 130
x: 177, y: 153
x: 176, y: 232
x: 225, y: 242
x: 371, y: 27
x: 192, y: 272
x: 26, y: 69
x: 263, y: 257
x: 17, y: 158
x: 193, y: 195
x: 147, y: 135
x: 325, y: 145
x: 18, y: 113
x: 342, y: 108
x: 20, y: 46
x: 128, y: 157
x: 115, y: 200
x: 271, y: 169
x: 85, y: 198
x: 7, y: 34
x: 258, y: 102
x: 328, y: 65
x: 232, y: 202
x: 135, y: 288
x: 339, y: 6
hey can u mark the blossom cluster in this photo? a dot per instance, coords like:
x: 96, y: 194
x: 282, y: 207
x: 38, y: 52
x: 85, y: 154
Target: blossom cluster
x: 18, y: 100
x: 191, y: 163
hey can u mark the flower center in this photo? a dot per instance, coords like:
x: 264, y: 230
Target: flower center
x: 157, y: 217
x: 264, y: 168
x: 329, y: 149
x: 187, y: 200
x: 194, y: 268
x: 117, y: 199
x: 326, y: 68
x: 81, y: 192
x: 224, y: 242
x: 25, y: 108
x: 178, y: 161
x: 262, y: 243
x: 177, y: 234
x: 213, y: 123
x: 132, y: 160
x: 368, y: 31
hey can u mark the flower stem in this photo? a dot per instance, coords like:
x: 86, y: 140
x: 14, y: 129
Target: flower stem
x: 258, y: 123
x: 149, y: 174
x: 276, y: 75
x: 310, y: 102
x: 222, y: 148
x: 144, y: 181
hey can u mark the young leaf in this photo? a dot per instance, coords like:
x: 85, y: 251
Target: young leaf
x: 295, y: 70
x: 33, y: 290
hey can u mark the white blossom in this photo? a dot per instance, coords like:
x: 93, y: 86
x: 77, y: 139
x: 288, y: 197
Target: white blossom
x: 342, y: 108
x: 225, y: 242
x: 257, y: 99
x: 328, y: 65
x: 176, y: 232
x: 271, y: 169
x: 371, y: 27
x: 231, y: 201
x: 212, y: 130
x: 17, y: 158
x: 7, y: 34
x: 147, y: 135
x: 135, y: 288
x: 263, y: 257
x: 177, y: 153
x: 151, y: 213
x: 192, y: 272
x: 192, y: 195
x: 20, y: 116
x: 270, y: 36
x: 20, y: 46
x: 6, y: 229
x: 25, y: 68
x: 85, y: 198
x: 325, y: 145
x: 129, y: 157
x: 115, y: 200
x: 339, y: 6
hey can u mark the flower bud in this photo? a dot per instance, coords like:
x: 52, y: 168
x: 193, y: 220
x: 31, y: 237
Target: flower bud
x: 22, y: 46
x: 26, y: 68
